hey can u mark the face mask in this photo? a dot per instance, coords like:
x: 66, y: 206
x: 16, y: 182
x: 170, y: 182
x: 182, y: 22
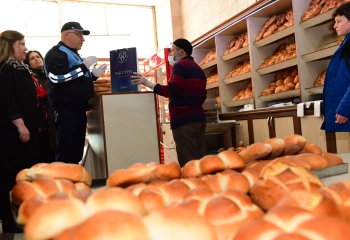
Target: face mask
x: 172, y: 60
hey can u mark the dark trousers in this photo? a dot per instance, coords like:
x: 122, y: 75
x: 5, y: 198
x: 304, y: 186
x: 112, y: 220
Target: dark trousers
x: 70, y: 129
x: 190, y: 142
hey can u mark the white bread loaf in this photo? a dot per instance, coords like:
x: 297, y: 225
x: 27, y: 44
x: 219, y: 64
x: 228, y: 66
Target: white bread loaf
x: 72, y: 172
x: 212, y: 164
x: 256, y: 151
x: 145, y: 173
x: 293, y: 144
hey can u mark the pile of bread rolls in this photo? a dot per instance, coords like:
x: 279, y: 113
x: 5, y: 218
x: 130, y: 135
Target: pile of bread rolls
x: 282, y: 53
x: 237, y: 43
x: 244, y: 93
x: 103, y: 84
x: 320, y: 79
x: 318, y: 7
x: 275, y: 24
x: 285, y: 80
x: 239, y: 68
x: 211, y: 55
x: 266, y: 186
x: 213, y: 76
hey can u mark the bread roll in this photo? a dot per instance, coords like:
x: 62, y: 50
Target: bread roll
x: 178, y: 224
x: 41, y: 186
x: 311, y: 148
x: 146, y: 173
x: 227, y: 180
x: 212, y: 164
x: 110, y: 224
x: 279, y: 179
x: 227, y: 211
x: 256, y: 151
x: 114, y: 199
x: 314, y: 202
x: 52, y: 218
x: 72, y: 172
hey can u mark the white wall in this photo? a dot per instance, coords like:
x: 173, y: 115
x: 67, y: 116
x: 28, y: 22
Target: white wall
x: 112, y: 26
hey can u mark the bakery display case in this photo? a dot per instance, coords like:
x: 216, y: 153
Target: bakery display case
x: 314, y: 42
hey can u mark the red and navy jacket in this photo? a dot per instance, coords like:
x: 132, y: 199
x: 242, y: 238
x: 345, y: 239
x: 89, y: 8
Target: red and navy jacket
x: 186, y: 90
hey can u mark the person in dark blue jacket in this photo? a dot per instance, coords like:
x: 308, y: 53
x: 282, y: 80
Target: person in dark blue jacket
x: 70, y: 87
x: 336, y: 91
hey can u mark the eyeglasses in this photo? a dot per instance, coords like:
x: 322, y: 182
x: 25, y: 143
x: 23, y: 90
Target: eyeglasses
x: 79, y: 34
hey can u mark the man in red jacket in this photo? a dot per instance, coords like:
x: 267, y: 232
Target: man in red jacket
x: 186, y: 90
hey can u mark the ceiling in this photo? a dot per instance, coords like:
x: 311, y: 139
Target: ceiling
x: 128, y: 2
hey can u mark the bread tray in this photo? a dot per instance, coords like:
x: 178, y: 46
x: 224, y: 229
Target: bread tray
x: 331, y: 171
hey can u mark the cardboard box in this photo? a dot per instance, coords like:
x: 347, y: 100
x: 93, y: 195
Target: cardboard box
x: 123, y: 62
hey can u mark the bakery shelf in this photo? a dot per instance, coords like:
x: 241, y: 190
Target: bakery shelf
x: 238, y: 102
x: 326, y: 52
x: 274, y: 37
x: 278, y: 66
x: 236, y: 53
x: 314, y: 90
x: 317, y: 20
x: 238, y: 78
x: 212, y: 85
x: 209, y: 64
x: 278, y: 96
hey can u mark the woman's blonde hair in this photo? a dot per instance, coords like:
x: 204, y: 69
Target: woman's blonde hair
x: 7, y: 39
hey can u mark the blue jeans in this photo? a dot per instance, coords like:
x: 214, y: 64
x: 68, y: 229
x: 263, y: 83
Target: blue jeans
x: 70, y: 129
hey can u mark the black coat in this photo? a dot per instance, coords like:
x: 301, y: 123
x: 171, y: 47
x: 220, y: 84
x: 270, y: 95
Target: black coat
x: 18, y: 99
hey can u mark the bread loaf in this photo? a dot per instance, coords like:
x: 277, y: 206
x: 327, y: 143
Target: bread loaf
x: 256, y: 151
x: 332, y: 159
x: 293, y: 144
x: 145, y: 173
x: 72, y: 172
x: 279, y: 179
x: 278, y: 146
x: 316, y: 161
x: 43, y: 187
x: 212, y: 164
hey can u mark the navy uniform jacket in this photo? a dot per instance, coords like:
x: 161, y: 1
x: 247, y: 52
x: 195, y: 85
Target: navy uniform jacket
x: 70, y: 81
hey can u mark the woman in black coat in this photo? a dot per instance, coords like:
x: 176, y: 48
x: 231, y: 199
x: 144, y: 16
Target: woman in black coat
x: 47, y: 137
x: 18, y: 118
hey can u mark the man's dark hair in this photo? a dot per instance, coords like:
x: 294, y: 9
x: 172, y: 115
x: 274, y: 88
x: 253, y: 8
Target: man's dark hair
x: 342, y: 10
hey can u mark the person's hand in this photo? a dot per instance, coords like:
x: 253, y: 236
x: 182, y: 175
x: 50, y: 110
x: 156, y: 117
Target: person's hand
x: 89, y: 61
x: 340, y: 119
x: 24, y: 134
x: 98, y: 71
x: 138, y: 78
